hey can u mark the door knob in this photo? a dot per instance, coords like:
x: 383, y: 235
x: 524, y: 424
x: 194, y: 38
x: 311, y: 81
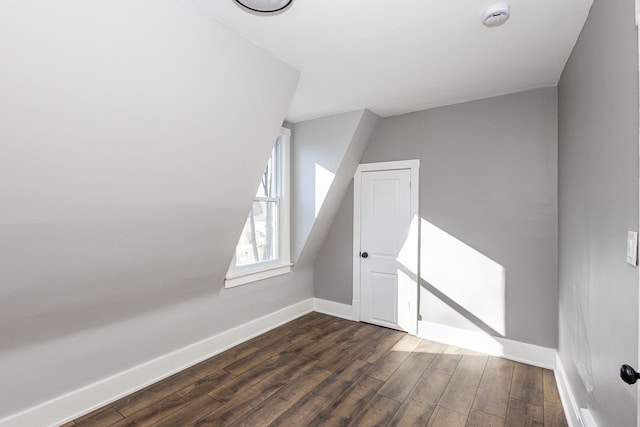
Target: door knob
x: 628, y: 374
x: 364, y: 255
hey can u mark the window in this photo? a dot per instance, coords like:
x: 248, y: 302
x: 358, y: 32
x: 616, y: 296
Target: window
x: 263, y: 248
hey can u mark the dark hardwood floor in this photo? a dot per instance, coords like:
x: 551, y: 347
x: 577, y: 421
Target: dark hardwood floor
x: 323, y: 371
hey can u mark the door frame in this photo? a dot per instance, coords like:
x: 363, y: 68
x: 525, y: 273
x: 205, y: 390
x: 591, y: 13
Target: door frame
x: 637, y: 16
x: 414, y: 167
x: 637, y: 13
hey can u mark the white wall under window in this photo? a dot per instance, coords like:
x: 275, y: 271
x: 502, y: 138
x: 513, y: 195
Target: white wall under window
x: 263, y: 248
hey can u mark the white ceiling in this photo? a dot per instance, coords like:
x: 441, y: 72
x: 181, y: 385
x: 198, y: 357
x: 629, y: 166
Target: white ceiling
x: 398, y: 56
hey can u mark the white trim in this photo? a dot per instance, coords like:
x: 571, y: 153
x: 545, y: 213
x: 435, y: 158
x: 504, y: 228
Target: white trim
x: 237, y: 276
x: 382, y: 166
x: 284, y: 227
x: 587, y: 418
x: 285, y: 131
x: 415, y: 235
x: 255, y: 276
x: 355, y: 310
x: 357, y: 200
x: 84, y: 400
x: 571, y: 408
x: 332, y: 308
x: 530, y: 354
x: 414, y: 166
x: 576, y: 416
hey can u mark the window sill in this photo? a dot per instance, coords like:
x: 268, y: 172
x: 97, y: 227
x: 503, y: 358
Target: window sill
x: 255, y: 276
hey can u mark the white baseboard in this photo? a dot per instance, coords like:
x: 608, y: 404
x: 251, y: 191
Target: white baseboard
x: 82, y: 401
x: 332, y: 308
x: 571, y: 408
x: 576, y: 416
x: 587, y: 418
x: 514, y: 350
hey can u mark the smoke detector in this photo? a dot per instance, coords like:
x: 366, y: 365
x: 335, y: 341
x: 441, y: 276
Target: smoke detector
x: 496, y: 14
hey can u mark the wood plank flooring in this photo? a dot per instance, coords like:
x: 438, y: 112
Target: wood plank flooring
x: 323, y: 371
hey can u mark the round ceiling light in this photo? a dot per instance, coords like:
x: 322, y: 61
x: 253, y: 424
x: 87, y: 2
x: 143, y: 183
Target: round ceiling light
x: 264, y: 6
x: 496, y: 14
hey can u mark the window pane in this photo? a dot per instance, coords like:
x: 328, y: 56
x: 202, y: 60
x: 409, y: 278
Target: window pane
x: 259, y: 241
x: 268, y: 182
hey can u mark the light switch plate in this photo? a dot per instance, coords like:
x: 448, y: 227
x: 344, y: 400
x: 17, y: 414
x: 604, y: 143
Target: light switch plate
x: 632, y: 248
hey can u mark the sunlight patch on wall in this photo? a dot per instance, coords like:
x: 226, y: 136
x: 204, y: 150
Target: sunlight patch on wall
x: 324, y: 179
x: 408, y: 278
x: 463, y: 278
x: 408, y: 255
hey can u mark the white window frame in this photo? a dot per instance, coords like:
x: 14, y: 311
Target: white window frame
x: 237, y: 276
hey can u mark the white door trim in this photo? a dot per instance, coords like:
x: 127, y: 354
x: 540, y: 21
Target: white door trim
x: 637, y: 391
x: 414, y: 166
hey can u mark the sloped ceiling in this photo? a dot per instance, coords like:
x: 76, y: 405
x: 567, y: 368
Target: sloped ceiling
x: 132, y: 136
x: 120, y: 152
x: 398, y: 56
x: 326, y: 153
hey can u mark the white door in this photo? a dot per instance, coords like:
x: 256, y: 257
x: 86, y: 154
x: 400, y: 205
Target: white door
x: 388, y: 287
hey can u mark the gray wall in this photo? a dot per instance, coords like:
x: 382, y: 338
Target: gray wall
x: 333, y: 273
x: 598, y: 204
x: 318, y: 148
x: 488, y: 196
x: 127, y: 168
x: 325, y: 155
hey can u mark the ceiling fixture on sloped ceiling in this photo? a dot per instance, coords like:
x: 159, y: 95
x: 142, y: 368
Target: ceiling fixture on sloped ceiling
x: 496, y: 14
x: 264, y: 6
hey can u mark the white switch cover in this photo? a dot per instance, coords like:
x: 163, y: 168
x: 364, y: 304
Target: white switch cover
x: 632, y: 248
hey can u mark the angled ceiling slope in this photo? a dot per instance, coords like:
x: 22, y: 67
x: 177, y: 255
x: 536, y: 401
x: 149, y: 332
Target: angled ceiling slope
x: 394, y: 57
x: 326, y: 155
x: 127, y: 169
